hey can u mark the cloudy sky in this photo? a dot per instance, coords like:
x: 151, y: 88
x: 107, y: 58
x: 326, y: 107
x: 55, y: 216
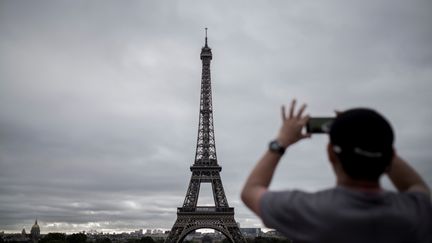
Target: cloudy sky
x: 99, y: 99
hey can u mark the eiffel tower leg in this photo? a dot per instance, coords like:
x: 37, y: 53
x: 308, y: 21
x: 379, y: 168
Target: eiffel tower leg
x: 236, y: 235
x: 191, y: 198
x: 176, y: 231
x: 218, y: 191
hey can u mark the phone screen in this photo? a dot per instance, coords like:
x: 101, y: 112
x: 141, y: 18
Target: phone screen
x: 319, y: 124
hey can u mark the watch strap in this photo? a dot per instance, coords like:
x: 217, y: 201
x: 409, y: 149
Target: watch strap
x: 276, y: 147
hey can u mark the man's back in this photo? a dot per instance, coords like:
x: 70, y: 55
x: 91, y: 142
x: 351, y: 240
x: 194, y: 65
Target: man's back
x: 345, y: 215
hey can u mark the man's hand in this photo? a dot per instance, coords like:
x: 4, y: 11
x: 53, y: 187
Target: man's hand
x: 292, y: 125
x: 259, y: 179
x: 405, y: 178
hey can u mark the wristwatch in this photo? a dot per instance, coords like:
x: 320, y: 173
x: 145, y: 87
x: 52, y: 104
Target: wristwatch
x: 276, y: 147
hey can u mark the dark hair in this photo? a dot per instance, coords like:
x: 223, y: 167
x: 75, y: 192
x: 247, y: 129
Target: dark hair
x: 363, y: 141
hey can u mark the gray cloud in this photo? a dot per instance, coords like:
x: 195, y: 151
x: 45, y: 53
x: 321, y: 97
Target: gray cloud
x: 99, y: 100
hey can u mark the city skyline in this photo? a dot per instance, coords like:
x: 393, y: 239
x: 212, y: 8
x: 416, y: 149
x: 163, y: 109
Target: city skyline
x: 100, y: 100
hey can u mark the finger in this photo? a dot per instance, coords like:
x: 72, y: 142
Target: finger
x: 293, y: 103
x: 338, y: 112
x: 283, y: 113
x: 300, y: 112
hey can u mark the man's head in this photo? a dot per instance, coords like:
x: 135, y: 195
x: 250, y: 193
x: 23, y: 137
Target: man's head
x: 362, y: 140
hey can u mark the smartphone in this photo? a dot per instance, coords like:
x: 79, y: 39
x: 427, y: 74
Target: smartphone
x: 319, y: 124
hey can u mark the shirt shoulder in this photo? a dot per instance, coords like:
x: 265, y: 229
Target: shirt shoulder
x: 294, y: 213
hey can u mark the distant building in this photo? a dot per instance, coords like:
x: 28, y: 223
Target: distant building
x: 35, y: 232
x: 251, y: 232
x: 137, y: 233
x: 274, y: 233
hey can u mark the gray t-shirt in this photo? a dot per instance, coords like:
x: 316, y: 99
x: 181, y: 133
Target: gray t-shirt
x: 344, y: 215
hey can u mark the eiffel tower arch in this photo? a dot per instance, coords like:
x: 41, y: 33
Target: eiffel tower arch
x: 205, y: 169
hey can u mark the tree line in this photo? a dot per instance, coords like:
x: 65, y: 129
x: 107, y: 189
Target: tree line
x: 82, y: 238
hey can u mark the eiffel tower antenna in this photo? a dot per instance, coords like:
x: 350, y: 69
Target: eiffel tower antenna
x: 205, y: 169
x: 206, y: 37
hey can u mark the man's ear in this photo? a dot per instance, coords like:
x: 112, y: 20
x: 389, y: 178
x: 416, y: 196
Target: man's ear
x: 331, y: 154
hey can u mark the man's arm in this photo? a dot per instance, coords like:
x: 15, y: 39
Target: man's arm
x: 405, y: 178
x: 259, y: 179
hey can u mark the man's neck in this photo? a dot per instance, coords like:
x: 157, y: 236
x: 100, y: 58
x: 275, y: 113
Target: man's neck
x: 360, y: 185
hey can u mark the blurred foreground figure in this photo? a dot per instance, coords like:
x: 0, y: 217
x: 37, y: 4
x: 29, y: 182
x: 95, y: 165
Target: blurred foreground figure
x: 357, y: 209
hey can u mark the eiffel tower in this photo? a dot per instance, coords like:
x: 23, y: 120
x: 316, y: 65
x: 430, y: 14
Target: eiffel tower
x: 205, y: 169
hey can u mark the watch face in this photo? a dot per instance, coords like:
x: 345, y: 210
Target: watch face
x: 275, y: 146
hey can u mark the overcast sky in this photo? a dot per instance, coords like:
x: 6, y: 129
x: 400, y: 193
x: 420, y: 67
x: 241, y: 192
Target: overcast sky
x: 99, y: 100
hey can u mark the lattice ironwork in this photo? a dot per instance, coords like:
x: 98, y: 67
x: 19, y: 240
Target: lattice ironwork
x: 205, y: 169
x: 222, y: 222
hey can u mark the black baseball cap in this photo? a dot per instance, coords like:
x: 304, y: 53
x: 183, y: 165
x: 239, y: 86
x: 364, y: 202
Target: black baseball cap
x: 363, y: 140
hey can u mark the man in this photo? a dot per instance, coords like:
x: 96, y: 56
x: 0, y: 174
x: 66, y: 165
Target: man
x: 357, y: 209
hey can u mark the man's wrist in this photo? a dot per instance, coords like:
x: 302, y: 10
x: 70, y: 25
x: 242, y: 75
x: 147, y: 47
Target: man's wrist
x: 277, y: 147
x: 283, y: 141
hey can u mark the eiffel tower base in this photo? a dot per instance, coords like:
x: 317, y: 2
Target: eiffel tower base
x: 188, y: 222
